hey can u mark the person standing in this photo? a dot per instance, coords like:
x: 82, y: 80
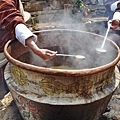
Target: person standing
x: 108, y: 11
x: 115, y: 21
x: 12, y: 26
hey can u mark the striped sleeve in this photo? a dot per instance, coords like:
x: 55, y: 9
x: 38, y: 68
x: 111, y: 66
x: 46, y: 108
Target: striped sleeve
x: 10, y: 16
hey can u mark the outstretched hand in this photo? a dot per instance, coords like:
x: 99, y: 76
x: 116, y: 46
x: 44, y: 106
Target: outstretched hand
x: 45, y: 54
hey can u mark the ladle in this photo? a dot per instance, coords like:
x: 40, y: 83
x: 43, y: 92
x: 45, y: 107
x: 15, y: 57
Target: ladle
x: 102, y: 49
x: 68, y: 55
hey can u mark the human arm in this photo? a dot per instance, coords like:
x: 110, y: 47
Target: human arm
x: 45, y: 54
x: 27, y: 38
x: 13, y: 25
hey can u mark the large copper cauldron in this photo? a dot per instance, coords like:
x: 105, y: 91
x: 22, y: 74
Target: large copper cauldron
x: 63, y: 88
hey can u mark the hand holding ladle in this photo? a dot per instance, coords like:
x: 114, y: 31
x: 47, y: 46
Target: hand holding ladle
x: 115, y: 23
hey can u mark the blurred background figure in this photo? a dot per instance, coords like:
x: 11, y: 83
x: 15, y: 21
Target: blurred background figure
x: 108, y: 11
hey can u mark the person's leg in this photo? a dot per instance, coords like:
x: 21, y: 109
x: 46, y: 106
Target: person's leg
x: 3, y: 86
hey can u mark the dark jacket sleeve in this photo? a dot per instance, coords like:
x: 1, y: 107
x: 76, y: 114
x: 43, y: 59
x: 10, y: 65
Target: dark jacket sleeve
x: 10, y: 16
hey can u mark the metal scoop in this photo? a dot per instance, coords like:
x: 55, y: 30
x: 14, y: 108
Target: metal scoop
x: 67, y: 55
x: 102, y: 49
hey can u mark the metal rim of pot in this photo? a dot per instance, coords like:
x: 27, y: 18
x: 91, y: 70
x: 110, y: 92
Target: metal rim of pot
x: 64, y: 72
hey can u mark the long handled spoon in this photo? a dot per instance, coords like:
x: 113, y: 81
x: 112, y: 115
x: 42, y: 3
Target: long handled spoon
x: 102, y: 49
x: 67, y: 55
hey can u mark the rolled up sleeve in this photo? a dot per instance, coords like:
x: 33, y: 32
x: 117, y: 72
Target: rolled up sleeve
x: 22, y: 33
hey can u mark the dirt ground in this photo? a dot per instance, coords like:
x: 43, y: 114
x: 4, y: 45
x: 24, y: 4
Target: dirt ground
x: 8, y: 109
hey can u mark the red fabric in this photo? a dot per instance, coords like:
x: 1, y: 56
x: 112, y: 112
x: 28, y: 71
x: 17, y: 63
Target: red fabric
x: 10, y: 16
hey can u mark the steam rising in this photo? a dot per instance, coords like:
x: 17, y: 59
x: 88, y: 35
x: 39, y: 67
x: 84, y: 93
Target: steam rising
x: 70, y: 40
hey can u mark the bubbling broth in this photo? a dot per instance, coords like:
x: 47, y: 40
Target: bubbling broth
x: 55, y: 63
x: 65, y: 62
